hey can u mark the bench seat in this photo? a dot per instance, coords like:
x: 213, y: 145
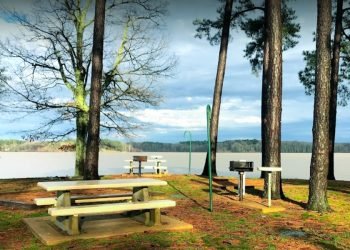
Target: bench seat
x: 110, y: 208
x: 161, y: 167
x: 136, y: 167
x: 47, y: 201
x: 149, y: 167
x: 80, y: 199
x: 155, y: 167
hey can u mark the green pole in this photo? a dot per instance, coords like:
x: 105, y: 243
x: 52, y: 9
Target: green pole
x: 209, y: 159
x: 190, y: 152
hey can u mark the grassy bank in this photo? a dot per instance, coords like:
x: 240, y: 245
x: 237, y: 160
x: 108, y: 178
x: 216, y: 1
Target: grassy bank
x: 230, y: 226
x: 57, y: 146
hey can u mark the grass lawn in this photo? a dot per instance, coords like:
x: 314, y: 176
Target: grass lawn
x: 229, y: 226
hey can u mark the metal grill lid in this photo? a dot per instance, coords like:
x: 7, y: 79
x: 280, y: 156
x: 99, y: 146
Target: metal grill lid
x: 140, y: 158
x: 241, y: 165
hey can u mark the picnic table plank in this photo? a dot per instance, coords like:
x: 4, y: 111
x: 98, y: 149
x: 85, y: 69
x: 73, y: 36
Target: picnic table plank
x: 95, y: 184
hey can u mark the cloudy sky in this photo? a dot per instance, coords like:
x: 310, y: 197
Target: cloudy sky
x: 188, y: 92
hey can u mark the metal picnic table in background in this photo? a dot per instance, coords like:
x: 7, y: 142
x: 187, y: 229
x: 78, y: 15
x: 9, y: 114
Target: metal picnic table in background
x: 158, y: 166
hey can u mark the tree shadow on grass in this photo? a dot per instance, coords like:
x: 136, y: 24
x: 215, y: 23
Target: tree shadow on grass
x: 339, y: 186
x: 295, y: 182
x: 298, y: 203
x: 339, y: 190
x: 188, y: 197
x: 222, y: 185
x: 205, y: 181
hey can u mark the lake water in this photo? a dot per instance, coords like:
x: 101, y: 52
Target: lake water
x: 43, y: 164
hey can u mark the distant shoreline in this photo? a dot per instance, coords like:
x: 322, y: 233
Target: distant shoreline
x: 229, y: 146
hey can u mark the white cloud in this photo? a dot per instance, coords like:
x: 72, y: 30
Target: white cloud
x: 234, y: 113
x: 184, y: 118
x: 183, y: 49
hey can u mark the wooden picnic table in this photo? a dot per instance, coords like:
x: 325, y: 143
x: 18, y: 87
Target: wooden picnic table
x: 158, y: 164
x: 70, y: 223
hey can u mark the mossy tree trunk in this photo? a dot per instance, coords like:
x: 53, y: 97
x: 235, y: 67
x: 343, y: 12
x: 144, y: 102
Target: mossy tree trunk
x: 319, y: 160
x: 80, y: 93
x: 80, y: 142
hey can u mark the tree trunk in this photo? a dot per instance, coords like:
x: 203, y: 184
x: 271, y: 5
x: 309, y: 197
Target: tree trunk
x: 334, y: 87
x: 92, y: 148
x: 273, y: 112
x: 264, y: 89
x: 220, y: 75
x: 320, y: 148
x: 80, y: 142
x: 82, y: 116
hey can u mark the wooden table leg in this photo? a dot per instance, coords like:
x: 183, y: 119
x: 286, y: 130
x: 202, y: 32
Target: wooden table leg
x: 69, y: 224
x: 155, y: 217
x: 150, y: 217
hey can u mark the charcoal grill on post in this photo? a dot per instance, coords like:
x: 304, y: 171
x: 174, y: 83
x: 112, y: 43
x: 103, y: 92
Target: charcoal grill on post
x: 241, y: 167
x: 139, y: 158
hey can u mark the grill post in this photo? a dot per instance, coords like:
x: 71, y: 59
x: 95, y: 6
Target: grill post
x: 241, y: 175
x: 140, y: 158
x: 241, y: 167
x: 269, y: 190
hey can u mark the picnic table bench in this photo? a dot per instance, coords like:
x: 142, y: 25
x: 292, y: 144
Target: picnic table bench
x: 67, y: 213
x: 80, y: 199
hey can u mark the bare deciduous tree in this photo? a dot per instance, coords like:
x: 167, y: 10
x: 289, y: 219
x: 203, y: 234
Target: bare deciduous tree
x: 53, y: 59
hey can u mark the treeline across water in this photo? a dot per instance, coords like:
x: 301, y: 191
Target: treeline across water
x: 239, y: 146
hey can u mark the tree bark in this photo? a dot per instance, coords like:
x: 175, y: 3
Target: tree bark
x: 320, y: 148
x: 219, y: 82
x: 80, y: 142
x: 264, y: 89
x: 334, y: 87
x: 92, y: 149
x: 273, y: 85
